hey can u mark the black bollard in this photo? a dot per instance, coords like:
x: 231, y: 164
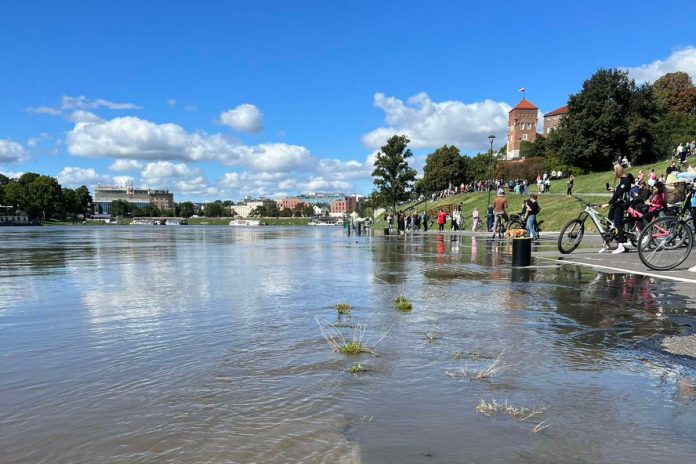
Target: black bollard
x: 521, y: 251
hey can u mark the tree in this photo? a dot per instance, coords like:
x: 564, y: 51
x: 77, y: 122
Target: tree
x: 308, y: 210
x: 609, y: 118
x: 676, y: 92
x: 392, y: 175
x: 120, y: 208
x: 676, y: 128
x: 84, y: 200
x: 297, y: 210
x: 259, y: 211
x: 41, y: 195
x: 214, y: 209
x: 148, y: 211
x: 286, y: 212
x: 443, y: 167
x: 480, y: 166
x: 186, y: 209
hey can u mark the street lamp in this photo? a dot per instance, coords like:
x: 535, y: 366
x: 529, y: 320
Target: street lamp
x: 491, y: 138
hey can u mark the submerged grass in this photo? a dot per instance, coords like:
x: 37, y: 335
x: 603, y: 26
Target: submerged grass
x: 495, y: 366
x: 357, y: 369
x: 402, y: 304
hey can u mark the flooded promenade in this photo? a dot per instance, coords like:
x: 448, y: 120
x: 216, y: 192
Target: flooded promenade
x: 201, y: 345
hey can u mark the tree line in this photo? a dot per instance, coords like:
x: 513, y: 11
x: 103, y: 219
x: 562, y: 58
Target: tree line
x: 611, y: 117
x: 42, y: 197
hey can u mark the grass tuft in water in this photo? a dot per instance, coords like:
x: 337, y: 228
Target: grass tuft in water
x: 495, y: 366
x: 343, y: 308
x: 355, y: 344
x: 520, y: 413
x: 402, y: 304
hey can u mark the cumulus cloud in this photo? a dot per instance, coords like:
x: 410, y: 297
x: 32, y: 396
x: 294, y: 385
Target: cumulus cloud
x: 126, y: 165
x: 171, y: 102
x: 680, y: 60
x: 84, y: 103
x: 432, y: 124
x: 244, y: 118
x: 11, y: 174
x: 74, y: 177
x: 175, y: 176
x: 134, y: 138
x: 12, y: 152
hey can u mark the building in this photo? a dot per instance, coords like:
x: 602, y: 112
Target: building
x: 553, y: 119
x: 162, y: 199
x: 245, y: 208
x: 10, y: 216
x: 320, y: 198
x: 290, y: 203
x: 522, y: 127
x: 105, y: 194
x: 347, y: 205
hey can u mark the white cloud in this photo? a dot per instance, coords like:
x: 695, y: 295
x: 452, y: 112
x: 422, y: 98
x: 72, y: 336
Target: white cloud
x: 122, y: 180
x: 244, y: 118
x: 171, y: 102
x: 11, y: 174
x: 134, y: 138
x: 74, y: 177
x: 45, y: 110
x: 178, y: 177
x: 84, y: 116
x: 432, y: 124
x: 126, y: 165
x: 84, y: 103
x: 12, y: 152
x: 190, y: 108
x: 680, y: 60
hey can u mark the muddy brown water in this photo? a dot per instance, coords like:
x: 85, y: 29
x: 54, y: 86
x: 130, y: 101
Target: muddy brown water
x: 200, y: 345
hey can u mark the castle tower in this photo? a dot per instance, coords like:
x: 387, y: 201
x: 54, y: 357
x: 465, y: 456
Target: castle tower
x: 522, y: 127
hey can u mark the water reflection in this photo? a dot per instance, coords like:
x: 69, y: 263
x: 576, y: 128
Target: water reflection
x: 200, y: 345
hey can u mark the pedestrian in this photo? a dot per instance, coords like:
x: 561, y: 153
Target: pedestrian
x: 416, y: 221
x: 424, y: 219
x: 531, y: 208
x: 547, y: 185
x: 489, y: 217
x: 475, y: 219
x: 571, y: 181
x: 441, y: 220
x: 618, y: 204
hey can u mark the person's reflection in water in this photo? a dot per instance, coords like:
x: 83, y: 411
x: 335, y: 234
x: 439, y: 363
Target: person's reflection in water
x: 474, y: 250
x: 440, y: 249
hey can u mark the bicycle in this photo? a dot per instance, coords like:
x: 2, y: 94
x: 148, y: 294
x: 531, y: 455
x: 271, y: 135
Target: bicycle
x: 505, y: 223
x: 667, y: 241
x: 574, y: 231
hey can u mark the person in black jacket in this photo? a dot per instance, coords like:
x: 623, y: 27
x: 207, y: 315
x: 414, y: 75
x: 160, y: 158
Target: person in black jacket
x: 617, y: 205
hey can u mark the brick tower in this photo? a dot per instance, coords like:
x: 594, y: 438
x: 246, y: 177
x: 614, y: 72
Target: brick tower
x: 522, y: 126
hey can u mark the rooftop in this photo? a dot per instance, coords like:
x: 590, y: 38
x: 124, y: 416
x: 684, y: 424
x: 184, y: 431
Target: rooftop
x: 525, y: 104
x: 558, y: 111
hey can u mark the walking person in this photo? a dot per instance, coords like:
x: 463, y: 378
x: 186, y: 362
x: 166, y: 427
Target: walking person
x: 441, y: 220
x: 571, y: 181
x: 531, y: 209
x: 475, y: 219
x: 424, y: 219
x: 489, y: 217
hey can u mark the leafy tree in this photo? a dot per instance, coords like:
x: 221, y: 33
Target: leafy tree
x: 676, y: 92
x: 259, y: 211
x: 120, y: 208
x: 297, y: 210
x: 392, y: 175
x: 609, y: 118
x: 286, y: 212
x: 186, y: 209
x: 69, y: 202
x: 442, y: 167
x: 148, y: 211
x: 84, y: 200
x: 214, y: 209
x: 480, y: 166
x: 4, y: 180
x: 308, y: 210
x: 676, y: 128
x: 41, y: 196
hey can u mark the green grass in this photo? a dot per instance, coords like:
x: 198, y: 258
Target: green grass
x: 402, y: 304
x: 343, y: 308
x: 353, y: 347
x: 556, y: 208
x: 357, y: 369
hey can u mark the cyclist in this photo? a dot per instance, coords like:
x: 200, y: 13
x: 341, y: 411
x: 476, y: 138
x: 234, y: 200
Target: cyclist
x: 618, y: 204
x: 500, y: 205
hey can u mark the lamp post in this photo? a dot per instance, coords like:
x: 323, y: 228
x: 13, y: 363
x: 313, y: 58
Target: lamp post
x: 491, y: 138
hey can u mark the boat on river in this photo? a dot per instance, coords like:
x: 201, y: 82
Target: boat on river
x: 245, y: 222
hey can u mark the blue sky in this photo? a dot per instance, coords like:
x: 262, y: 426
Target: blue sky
x: 226, y: 99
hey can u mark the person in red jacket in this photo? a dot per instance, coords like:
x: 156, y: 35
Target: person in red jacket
x: 441, y: 220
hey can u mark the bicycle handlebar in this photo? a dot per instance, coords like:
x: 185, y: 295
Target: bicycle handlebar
x: 585, y: 203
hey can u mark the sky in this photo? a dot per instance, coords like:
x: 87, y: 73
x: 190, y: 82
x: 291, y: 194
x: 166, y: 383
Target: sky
x: 227, y: 99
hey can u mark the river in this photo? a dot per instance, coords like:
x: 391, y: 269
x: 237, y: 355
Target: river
x: 202, y: 345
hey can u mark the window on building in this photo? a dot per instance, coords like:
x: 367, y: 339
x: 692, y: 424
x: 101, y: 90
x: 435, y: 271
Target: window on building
x: 524, y: 136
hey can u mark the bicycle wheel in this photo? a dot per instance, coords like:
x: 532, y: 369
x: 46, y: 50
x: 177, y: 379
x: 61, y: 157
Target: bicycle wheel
x: 571, y: 236
x: 516, y: 225
x: 665, y: 243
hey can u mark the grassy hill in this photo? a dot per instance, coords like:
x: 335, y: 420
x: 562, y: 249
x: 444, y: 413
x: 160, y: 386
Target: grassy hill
x: 556, y: 208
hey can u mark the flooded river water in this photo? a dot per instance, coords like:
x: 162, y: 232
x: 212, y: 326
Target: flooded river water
x: 200, y: 345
